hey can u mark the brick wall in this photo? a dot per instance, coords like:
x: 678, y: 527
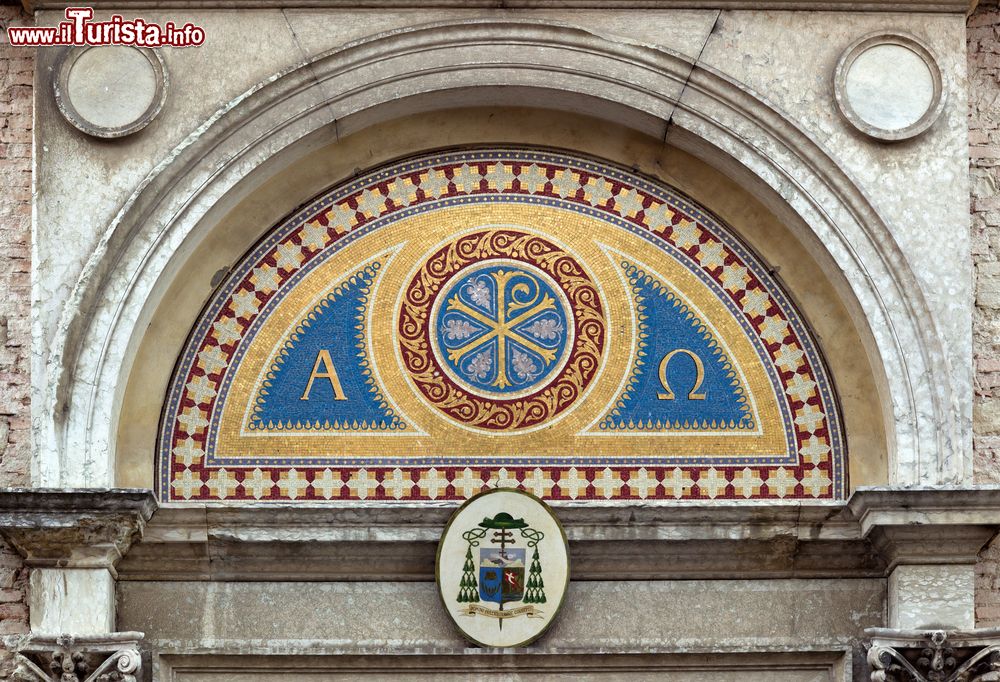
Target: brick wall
x: 16, y: 74
x: 984, y: 141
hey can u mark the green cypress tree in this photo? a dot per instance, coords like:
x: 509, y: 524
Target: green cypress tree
x: 535, y: 587
x: 468, y: 587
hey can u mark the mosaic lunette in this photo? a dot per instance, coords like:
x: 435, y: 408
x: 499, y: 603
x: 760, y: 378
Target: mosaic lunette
x: 741, y: 408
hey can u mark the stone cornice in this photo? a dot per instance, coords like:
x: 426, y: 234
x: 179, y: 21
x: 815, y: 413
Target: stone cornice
x: 940, y: 526
x: 397, y: 541
x: 74, y: 528
x: 866, y: 537
x: 883, y: 506
x: 877, y: 529
x: 897, y: 6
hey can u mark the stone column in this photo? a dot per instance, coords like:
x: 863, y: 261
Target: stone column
x: 932, y: 574
x: 930, y: 541
x: 73, y: 540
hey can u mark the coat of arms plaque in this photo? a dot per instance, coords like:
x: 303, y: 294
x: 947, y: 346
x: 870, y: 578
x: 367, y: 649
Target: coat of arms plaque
x: 503, y: 568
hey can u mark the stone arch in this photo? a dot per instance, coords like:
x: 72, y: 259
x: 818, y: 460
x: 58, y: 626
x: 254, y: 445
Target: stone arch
x: 446, y: 65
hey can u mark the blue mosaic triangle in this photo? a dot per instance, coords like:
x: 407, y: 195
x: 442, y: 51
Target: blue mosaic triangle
x: 321, y: 378
x: 680, y: 377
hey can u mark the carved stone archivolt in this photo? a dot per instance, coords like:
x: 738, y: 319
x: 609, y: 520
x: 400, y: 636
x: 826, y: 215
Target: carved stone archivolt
x: 934, y: 656
x: 109, y: 658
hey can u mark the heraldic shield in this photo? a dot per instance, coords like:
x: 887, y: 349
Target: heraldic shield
x: 501, y: 575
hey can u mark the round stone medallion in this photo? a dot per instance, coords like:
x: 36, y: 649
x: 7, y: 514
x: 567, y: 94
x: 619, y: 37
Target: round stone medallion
x: 501, y: 329
x: 110, y: 91
x: 889, y: 86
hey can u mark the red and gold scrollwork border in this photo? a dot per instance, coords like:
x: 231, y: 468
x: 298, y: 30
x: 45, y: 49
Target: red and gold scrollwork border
x: 494, y: 414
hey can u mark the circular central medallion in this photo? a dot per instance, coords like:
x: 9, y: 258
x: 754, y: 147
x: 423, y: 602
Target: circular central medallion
x: 501, y: 329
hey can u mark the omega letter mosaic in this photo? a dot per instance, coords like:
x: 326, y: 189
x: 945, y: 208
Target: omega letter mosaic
x: 502, y: 568
x: 500, y: 318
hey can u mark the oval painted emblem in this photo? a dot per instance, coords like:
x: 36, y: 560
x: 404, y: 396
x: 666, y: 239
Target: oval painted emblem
x: 503, y: 568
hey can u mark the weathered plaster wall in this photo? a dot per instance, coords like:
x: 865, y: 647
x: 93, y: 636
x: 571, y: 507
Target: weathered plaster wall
x: 984, y: 140
x: 16, y: 73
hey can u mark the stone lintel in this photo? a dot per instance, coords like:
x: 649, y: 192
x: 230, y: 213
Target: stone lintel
x: 334, y: 659
x: 71, y: 528
x: 939, y: 655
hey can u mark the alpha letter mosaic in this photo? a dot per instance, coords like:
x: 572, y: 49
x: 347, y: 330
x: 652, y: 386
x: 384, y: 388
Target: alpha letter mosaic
x: 500, y: 318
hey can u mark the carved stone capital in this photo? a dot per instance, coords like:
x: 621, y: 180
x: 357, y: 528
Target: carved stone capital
x: 934, y: 655
x: 53, y: 528
x: 63, y: 658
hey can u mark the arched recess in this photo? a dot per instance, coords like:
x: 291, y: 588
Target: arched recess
x: 378, y: 79
x: 563, y: 443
